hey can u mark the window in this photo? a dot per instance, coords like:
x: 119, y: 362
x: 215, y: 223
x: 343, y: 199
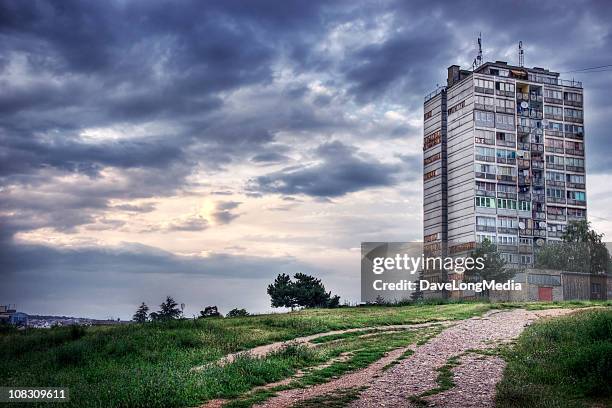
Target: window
x: 507, y: 222
x: 484, y: 136
x: 507, y: 240
x: 552, y: 94
x: 555, y: 210
x: 483, y: 83
x: 505, y: 137
x: 576, y: 195
x: 554, y: 192
x: 504, y: 86
x: 506, y: 204
x: 432, y: 139
x: 504, y: 120
x: 555, y: 126
x: 457, y: 107
x: 484, y: 168
x: 555, y: 227
x: 427, y: 115
x: 483, y: 100
x: 577, y: 146
x: 480, y: 238
x: 506, y: 188
x: 554, y: 143
x: 526, y: 260
x: 574, y: 161
x: 485, y: 119
x: 573, y: 113
x: 575, y: 178
x: 485, y: 153
x: 555, y: 176
x: 555, y: 160
x: 506, y: 154
x: 504, y: 103
x: 484, y: 186
x: 577, y: 129
x: 486, y: 202
x: 524, y: 205
x: 576, y: 212
x: 553, y: 110
x: 573, y: 97
x: 485, y: 221
x: 506, y: 171
x: 431, y: 159
x: 430, y: 174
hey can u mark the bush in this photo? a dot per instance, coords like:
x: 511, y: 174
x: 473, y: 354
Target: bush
x: 237, y: 313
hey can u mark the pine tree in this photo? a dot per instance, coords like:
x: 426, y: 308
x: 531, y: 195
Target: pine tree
x: 141, y: 314
x: 169, y: 309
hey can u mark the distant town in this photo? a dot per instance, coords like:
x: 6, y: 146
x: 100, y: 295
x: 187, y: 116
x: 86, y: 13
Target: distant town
x: 9, y: 315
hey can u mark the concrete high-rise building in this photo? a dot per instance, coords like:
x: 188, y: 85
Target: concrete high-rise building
x: 503, y: 160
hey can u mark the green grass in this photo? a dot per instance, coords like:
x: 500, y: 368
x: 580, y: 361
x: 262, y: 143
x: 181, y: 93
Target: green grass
x: 150, y: 365
x: 340, y: 398
x: 563, y: 362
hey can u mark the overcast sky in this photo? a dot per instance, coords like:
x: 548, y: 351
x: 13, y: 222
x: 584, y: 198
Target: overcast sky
x: 197, y: 149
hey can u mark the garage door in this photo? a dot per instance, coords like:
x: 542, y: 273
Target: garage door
x: 545, y: 293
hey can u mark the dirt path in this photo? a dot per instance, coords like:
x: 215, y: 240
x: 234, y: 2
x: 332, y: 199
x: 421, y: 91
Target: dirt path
x: 475, y: 377
x: 264, y: 350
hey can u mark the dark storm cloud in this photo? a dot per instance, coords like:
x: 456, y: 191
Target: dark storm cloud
x: 223, y: 214
x: 341, y: 171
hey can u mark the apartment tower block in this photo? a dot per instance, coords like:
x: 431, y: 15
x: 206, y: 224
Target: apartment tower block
x: 503, y: 159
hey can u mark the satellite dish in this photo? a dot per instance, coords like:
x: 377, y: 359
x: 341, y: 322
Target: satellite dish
x: 524, y: 105
x: 542, y: 224
x: 522, y: 225
x: 539, y: 242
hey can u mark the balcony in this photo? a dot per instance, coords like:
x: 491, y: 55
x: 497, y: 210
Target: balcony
x: 553, y: 133
x: 537, y: 164
x: 527, y: 232
x: 579, y: 186
x: 576, y: 217
x: 574, y: 119
x: 506, y: 178
x: 537, y: 147
x: 509, y: 94
x: 524, y: 180
x: 571, y: 201
x: 522, y: 96
x: 554, y: 100
x: 574, y: 152
x: 507, y: 248
x: 502, y: 109
x: 505, y: 143
x: 575, y: 136
x: 555, y: 166
x: 577, y: 169
x: 539, y: 233
x: 507, y: 230
x: 535, y: 97
x: 539, y: 198
x: 538, y: 182
x: 481, y: 157
x: 523, y: 163
x: 485, y: 228
x: 555, y: 200
x: 555, y: 234
x: 524, y: 196
x: 552, y: 149
x: 572, y: 103
x: 484, y: 193
x: 553, y: 116
x: 483, y: 90
x: 487, y: 176
x: 506, y: 160
x: 556, y: 217
x: 504, y: 126
x: 525, y: 249
x: 484, y: 107
x: 555, y: 183
x: 523, y: 129
x: 503, y: 194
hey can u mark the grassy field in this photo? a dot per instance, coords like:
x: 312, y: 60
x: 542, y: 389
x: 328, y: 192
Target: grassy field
x: 562, y: 363
x: 150, y: 365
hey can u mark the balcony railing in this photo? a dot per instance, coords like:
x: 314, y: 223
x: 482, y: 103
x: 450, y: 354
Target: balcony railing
x: 553, y: 133
x: 571, y: 201
x: 554, y: 100
x: 573, y: 119
x: 575, y: 136
x: 579, y: 186
x: 555, y: 200
x: 577, y: 169
x: 556, y: 217
x: 574, y: 152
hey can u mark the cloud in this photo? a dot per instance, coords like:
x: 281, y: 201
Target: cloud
x: 340, y: 171
x: 223, y: 215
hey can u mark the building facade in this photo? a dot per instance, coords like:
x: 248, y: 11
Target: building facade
x: 503, y: 159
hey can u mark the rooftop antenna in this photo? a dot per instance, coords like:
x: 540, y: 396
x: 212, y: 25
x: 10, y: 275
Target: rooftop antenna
x: 521, y: 54
x: 478, y: 60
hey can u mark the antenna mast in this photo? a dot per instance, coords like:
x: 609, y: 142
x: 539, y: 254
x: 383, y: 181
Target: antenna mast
x: 521, y: 54
x: 478, y: 60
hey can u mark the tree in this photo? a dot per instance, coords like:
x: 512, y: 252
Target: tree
x: 237, y: 313
x: 141, y: 314
x: 282, y: 293
x: 168, y: 310
x: 495, y: 267
x: 209, y: 311
x: 581, y: 250
x: 307, y: 291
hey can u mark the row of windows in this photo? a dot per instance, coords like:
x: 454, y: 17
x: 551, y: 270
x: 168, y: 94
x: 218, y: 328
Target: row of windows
x: 560, y: 144
x: 568, y: 161
x: 489, y: 137
x: 489, y: 119
x: 503, y: 203
x: 559, y: 111
x: 432, y: 139
x: 562, y: 177
x: 560, y: 193
x: 493, y: 169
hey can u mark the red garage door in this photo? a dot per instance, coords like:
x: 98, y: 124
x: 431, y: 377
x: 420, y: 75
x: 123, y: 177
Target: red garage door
x: 545, y: 294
